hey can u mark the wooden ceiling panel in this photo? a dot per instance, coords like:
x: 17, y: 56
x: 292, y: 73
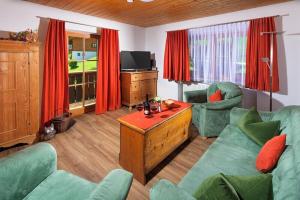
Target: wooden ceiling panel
x: 156, y: 12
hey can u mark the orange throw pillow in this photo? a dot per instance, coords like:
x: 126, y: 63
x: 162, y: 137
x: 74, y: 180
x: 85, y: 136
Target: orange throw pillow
x: 217, y: 96
x: 270, y: 153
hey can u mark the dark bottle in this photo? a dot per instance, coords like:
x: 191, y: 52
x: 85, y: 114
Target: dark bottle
x: 147, y: 106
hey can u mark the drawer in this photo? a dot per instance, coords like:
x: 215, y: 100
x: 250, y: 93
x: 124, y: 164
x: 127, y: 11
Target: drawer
x: 143, y: 76
x: 148, y: 84
x: 135, y: 97
x: 135, y: 86
x: 148, y: 87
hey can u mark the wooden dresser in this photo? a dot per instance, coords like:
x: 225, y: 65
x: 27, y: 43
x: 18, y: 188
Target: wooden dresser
x: 19, y: 92
x: 135, y: 86
x: 145, y: 142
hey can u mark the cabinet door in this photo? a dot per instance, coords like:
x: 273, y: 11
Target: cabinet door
x: 14, y: 96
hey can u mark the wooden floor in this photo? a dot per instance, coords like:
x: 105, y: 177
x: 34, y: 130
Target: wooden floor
x: 90, y: 149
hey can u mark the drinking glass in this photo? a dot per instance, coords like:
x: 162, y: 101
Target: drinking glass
x: 140, y: 107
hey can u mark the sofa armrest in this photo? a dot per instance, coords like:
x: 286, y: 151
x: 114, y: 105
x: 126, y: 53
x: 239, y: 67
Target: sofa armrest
x: 165, y: 190
x: 196, y: 96
x: 23, y: 171
x: 115, y: 186
x: 222, y: 105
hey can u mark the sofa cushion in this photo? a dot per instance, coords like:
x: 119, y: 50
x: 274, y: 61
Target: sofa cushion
x: 229, y: 90
x: 211, y: 89
x: 61, y: 186
x: 232, y: 153
x: 236, y: 114
x: 226, y: 187
x: 258, y: 187
x: 260, y: 132
x: 215, y: 97
x: 270, y: 153
x: 216, y: 187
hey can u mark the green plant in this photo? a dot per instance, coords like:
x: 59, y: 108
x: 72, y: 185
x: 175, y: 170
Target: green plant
x: 157, y: 99
x: 73, y: 64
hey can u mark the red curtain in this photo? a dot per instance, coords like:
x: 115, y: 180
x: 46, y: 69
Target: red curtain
x: 55, y: 100
x: 176, y: 62
x: 108, y: 95
x: 258, y: 47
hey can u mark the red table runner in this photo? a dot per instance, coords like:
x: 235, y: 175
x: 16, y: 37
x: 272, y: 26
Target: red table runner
x: 138, y: 119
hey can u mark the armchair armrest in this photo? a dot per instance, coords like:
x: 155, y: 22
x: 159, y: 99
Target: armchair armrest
x: 23, y: 171
x: 165, y: 190
x: 196, y: 96
x: 115, y: 186
x: 222, y: 105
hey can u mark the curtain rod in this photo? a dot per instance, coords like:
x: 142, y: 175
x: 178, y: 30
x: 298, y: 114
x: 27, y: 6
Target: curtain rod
x: 71, y: 22
x: 272, y: 32
x: 246, y: 20
x: 294, y: 34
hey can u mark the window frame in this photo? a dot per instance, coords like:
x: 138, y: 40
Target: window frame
x: 218, y: 39
x: 83, y: 107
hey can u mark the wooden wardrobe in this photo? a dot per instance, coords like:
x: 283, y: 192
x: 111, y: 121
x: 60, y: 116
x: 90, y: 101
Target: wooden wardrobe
x: 19, y: 92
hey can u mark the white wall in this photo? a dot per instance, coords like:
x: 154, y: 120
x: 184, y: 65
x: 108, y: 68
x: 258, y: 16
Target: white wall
x: 288, y: 51
x: 17, y: 15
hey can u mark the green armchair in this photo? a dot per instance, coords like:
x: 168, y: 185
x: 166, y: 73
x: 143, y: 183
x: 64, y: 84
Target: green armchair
x: 32, y: 174
x: 211, y: 118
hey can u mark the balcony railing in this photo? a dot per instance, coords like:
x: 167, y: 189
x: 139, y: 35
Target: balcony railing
x: 82, y: 88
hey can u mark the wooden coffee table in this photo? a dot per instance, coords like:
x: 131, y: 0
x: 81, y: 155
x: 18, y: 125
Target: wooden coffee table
x: 145, y: 142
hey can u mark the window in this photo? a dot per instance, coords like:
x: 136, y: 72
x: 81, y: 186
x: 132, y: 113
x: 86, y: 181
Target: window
x: 218, y: 53
x: 83, y: 59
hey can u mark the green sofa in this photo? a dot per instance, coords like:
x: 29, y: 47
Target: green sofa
x: 211, y: 118
x: 233, y: 153
x: 32, y: 174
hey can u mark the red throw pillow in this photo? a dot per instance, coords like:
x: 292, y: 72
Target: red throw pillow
x: 270, y: 153
x: 217, y: 96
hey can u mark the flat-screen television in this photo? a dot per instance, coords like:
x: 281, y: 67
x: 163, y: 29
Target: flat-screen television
x: 135, y: 60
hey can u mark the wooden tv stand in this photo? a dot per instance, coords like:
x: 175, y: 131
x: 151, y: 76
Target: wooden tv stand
x: 135, y: 86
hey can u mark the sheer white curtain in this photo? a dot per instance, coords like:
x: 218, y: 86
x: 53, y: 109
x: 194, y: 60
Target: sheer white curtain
x: 218, y: 53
